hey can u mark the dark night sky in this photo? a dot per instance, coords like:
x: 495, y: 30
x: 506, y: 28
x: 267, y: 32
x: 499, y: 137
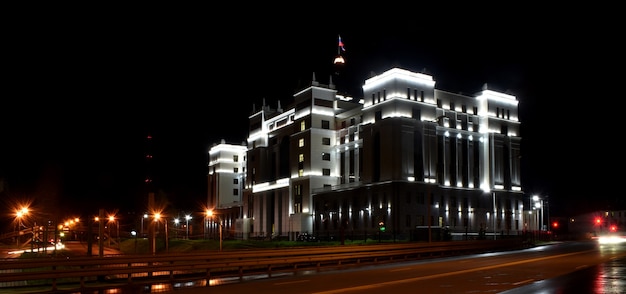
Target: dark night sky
x: 82, y: 93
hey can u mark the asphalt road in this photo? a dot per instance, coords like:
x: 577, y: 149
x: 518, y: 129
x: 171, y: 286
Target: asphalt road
x: 559, y: 268
x: 74, y: 247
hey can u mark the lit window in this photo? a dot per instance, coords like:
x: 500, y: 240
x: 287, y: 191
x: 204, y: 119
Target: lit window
x: 301, y: 142
x: 301, y: 158
x: 300, y: 172
x: 302, y: 126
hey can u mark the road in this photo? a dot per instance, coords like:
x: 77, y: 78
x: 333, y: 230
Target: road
x: 546, y: 269
x: 76, y: 248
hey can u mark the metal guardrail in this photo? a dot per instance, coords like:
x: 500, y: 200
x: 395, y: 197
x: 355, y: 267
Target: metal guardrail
x: 82, y: 273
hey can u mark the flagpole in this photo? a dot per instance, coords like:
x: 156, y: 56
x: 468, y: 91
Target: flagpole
x: 339, y: 45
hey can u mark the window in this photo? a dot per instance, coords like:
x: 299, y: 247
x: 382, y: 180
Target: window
x: 417, y: 114
x: 301, y: 142
x: 301, y: 158
x: 300, y: 172
x: 325, y: 141
x: 235, y: 181
x: 236, y: 158
x: 236, y: 192
x: 236, y: 170
x: 325, y: 124
x: 297, y: 198
x: 326, y: 156
x: 302, y: 126
x: 326, y: 171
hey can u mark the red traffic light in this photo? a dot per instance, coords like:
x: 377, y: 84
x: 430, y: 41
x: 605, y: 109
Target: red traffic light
x: 555, y: 225
x: 613, y: 228
x: 598, y: 221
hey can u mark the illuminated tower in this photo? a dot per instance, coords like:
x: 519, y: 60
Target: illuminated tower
x: 149, y: 190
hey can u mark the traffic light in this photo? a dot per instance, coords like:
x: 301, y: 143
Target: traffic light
x: 613, y: 228
x: 381, y: 226
x: 555, y: 224
x: 598, y: 220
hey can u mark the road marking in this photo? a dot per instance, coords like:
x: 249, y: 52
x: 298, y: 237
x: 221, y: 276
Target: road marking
x: 523, y: 282
x: 401, y: 269
x: 378, y: 285
x: 294, y: 282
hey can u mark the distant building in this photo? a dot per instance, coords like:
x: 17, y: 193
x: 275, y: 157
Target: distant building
x: 405, y: 157
x: 226, y: 175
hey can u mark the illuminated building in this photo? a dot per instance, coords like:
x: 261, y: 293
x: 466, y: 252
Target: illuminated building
x: 406, y: 156
x: 227, y: 165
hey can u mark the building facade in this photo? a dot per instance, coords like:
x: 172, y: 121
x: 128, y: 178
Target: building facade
x: 404, y: 159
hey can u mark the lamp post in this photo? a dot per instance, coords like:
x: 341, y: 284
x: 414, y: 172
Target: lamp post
x: 210, y: 214
x: 145, y: 216
x: 539, y: 206
x: 157, y: 216
x: 495, y: 212
x: 187, y: 218
x: 19, y: 214
x: 176, y: 221
x: 112, y: 220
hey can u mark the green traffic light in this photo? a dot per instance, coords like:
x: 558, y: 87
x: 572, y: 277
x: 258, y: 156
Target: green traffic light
x: 382, y: 229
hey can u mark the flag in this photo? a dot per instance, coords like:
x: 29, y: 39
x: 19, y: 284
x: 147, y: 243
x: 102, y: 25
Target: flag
x: 341, y: 44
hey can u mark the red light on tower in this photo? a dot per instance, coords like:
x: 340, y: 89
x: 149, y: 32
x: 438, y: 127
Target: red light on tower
x: 555, y: 225
x: 598, y: 221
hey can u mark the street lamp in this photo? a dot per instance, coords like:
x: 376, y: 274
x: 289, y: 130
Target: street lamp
x: 539, y: 206
x: 112, y: 220
x: 495, y: 212
x: 187, y: 218
x: 157, y: 219
x: 210, y: 214
x: 207, y: 215
x: 176, y: 221
x: 145, y: 216
x: 19, y: 214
